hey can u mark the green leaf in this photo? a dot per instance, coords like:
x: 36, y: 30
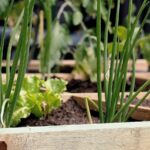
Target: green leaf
x: 86, y: 62
x: 32, y: 84
x: 33, y: 100
x: 59, y: 44
x: 77, y: 18
x: 3, y: 6
x: 44, y: 103
x: 144, y: 44
x: 67, y: 17
x: 22, y: 110
x: 55, y: 85
x: 119, y: 46
x: 121, y: 33
x: 85, y: 3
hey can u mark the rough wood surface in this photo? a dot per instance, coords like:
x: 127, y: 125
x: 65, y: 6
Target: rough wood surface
x: 67, y: 76
x: 142, y: 113
x: 116, y: 136
x: 141, y: 64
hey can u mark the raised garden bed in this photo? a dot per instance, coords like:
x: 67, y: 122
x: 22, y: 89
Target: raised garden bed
x: 81, y: 136
x: 61, y: 116
x: 129, y: 136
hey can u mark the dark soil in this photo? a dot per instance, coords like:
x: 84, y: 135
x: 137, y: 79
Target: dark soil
x: 66, y: 69
x: 138, y: 83
x: 79, y: 86
x: 69, y: 113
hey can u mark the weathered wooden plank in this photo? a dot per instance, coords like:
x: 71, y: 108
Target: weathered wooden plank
x: 141, y: 65
x: 116, y: 136
x: 67, y: 76
x: 142, y: 113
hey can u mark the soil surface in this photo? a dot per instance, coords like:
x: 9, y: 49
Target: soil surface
x: 69, y: 113
x: 79, y: 86
x: 67, y: 69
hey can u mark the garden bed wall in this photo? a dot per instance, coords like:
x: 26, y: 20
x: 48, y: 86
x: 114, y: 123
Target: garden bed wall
x: 141, y: 65
x: 116, y: 136
x: 142, y: 112
x: 67, y: 76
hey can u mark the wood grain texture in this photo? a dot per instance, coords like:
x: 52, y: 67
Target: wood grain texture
x: 142, y: 77
x: 65, y: 76
x: 116, y: 136
x: 141, y: 65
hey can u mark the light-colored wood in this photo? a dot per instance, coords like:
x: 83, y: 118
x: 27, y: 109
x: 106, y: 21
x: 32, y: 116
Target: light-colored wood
x: 65, y: 76
x: 141, y: 65
x: 142, y: 77
x: 116, y: 136
x: 142, y: 113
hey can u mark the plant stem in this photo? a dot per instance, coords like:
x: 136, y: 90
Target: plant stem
x: 129, y: 101
x: 23, y: 57
x: 99, y: 86
x: 88, y: 110
x: 8, y: 64
x: 1, y: 51
x: 111, y: 76
x: 106, y: 58
x: 137, y: 105
x: 45, y: 55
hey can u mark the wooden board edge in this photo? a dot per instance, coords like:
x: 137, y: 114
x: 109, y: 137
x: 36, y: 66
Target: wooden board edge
x: 141, y: 77
x: 142, y: 113
x: 141, y: 64
x: 116, y: 136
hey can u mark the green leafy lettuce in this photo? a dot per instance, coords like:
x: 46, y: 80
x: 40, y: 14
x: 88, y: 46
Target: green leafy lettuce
x: 38, y: 97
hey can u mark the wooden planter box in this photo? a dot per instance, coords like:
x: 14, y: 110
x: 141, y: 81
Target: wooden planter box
x: 142, y: 113
x: 116, y: 136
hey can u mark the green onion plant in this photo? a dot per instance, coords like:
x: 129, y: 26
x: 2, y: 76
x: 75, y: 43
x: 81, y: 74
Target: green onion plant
x: 19, y: 63
x: 45, y: 51
x: 115, y: 74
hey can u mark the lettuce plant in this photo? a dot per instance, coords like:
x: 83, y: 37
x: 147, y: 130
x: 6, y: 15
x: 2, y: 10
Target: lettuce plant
x: 37, y: 97
x: 115, y: 83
